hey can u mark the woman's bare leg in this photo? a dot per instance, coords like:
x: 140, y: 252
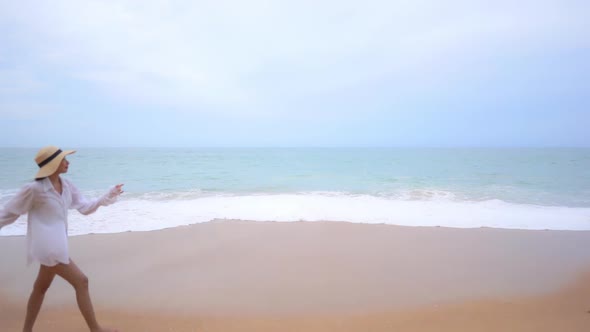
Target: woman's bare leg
x: 44, y: 279
x: 72, y: 274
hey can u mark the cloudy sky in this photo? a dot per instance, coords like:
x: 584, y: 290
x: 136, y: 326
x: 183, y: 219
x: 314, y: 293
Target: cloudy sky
x: 295, y: 73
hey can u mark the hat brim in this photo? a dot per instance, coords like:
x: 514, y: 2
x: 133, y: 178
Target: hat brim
x: 52, y: 166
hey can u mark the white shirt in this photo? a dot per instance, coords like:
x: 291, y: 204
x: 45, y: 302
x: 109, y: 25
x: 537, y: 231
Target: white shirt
x: 47, y: 222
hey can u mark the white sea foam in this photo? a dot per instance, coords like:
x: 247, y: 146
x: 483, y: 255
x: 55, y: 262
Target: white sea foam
x: 144, y: 213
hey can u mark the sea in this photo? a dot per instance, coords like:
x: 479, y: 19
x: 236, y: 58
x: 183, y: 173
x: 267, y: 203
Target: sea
x: 513, y: 188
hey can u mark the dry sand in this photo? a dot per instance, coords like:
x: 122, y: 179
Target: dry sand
x: 323, y: 276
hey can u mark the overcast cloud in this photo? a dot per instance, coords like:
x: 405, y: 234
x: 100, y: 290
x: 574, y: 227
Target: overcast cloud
x: 294, y: 73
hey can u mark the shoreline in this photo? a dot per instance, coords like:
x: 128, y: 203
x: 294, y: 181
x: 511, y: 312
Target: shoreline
x: 256, y: 275
x: 103, y: 216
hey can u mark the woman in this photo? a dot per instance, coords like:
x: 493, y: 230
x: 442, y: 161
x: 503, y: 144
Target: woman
x: 46, y: 201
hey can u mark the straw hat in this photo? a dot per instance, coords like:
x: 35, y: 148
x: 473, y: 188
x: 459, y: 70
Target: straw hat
x: 48, y: 159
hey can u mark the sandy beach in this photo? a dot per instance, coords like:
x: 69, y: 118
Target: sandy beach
x: 321, y: 276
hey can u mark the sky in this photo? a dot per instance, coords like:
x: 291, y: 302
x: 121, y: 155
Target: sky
x: 229, y: 73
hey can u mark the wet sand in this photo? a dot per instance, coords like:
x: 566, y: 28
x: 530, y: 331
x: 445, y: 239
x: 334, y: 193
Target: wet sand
x: 324, y: 276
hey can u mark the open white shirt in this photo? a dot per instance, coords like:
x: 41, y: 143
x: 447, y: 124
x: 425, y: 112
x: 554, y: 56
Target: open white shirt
x: 47, y: 222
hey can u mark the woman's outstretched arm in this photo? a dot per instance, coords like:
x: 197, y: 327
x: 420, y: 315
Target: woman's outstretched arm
x: 87, y: 206
x: 16, y: 206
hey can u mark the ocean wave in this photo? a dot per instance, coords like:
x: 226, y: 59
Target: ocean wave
x: 415, y: 208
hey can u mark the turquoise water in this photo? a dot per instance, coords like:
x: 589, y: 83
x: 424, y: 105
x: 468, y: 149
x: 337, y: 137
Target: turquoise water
x: 551, y: 177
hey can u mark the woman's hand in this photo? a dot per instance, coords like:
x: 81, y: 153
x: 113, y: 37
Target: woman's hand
x: 119, y: 189
x: 115, y: 191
